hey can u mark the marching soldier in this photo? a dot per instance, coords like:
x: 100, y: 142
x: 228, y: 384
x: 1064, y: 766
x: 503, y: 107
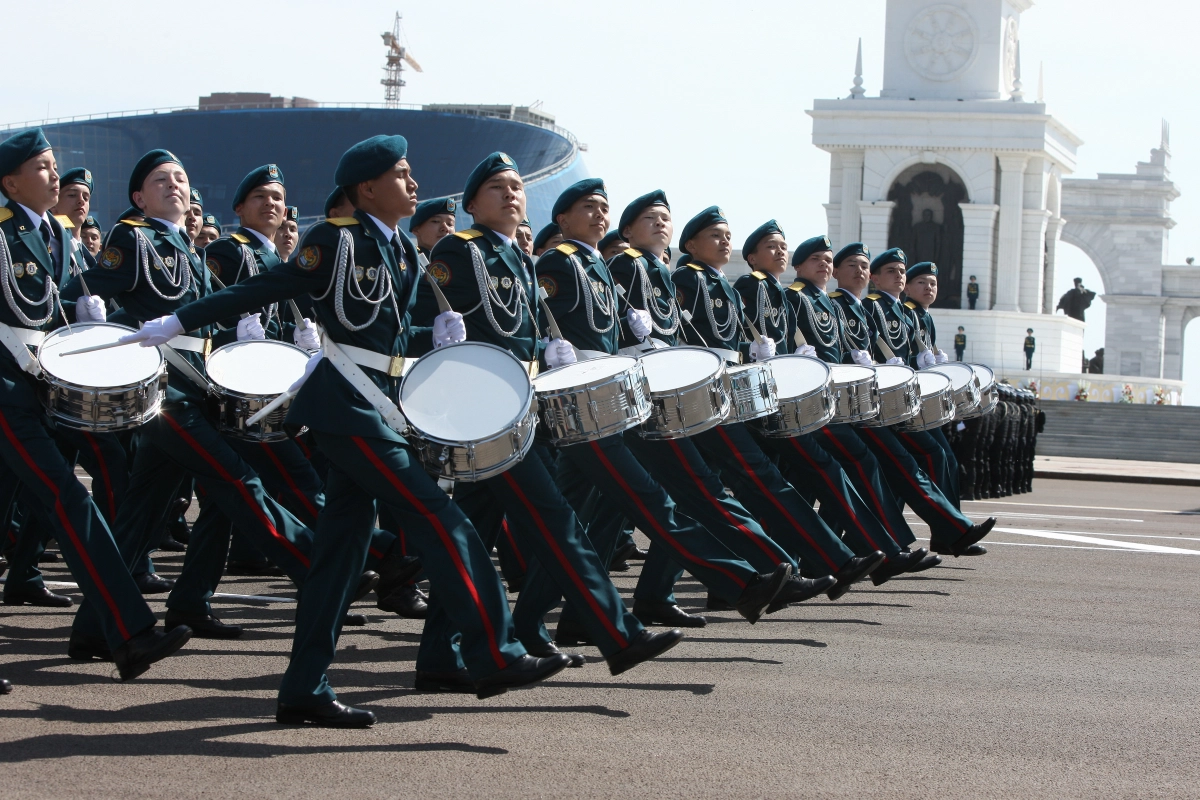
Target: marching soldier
x: 611, y: 244
x: 432, y: 222
x: 210, y: 231
x: 75, y: 204
x: 194, y: 221
x: 765, y: 250
x: 525, y: 237
x: 288, y: 233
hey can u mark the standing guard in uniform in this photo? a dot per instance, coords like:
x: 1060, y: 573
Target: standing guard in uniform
x: 972, y: 294
x: 1030, y: 346
x: 960, y: 343
x: 32, y: 250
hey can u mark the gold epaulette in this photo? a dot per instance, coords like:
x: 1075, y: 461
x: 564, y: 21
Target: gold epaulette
x: 797, y: 286
x: 65, y: 221
x: 632, y: 253
x: 695, y: 266
x: 468, y: 234
x: 836, y: 293
x: 910, y: 304
x: 237, y: 237
x: 135, y: 223
x: 566, y: 248
x: 760, y: 275
x: 342, y: 222
x: 5, y: 214
x: 874, y: 296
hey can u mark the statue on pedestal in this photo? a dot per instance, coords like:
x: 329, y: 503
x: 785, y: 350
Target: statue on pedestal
x: 1074, y: 302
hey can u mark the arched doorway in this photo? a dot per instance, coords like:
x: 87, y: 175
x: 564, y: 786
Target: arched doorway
x: 927, y: 224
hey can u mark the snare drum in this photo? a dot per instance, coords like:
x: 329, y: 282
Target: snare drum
x: 898, y: 397
x: 592, y: 399
x: 109, y: 390
x: 752, y: 392
x: 471, y: 411
x: 989, y: 394
x: 806, y: 398
x: 964, y: 385
x: 857, y: 395
x: 249, y: 375
x: 937, y: 402
x: 687, y: 392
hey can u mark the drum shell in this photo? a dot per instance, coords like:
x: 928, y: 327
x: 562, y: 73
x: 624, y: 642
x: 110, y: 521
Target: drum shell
x: 804, y: 413
x: 468, y: 462
x: 689, y: 410
x: 115, y: 408
x: 897, y: 404
x: 967, y: 397
x: 989, y: 395
x: 597, y: 409
x: 856, y: 401
x: 230, y: 410
x: 936, y: 410
x: 752, y: 393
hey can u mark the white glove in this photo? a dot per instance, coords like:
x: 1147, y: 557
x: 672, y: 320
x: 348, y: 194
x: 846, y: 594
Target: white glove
x: 862, y: 358
x: 155, y: 332
x: 307, y: 337
x: 308, y: 370
x: 895, y: 361
x: 639, y: 322
x: 806, y: 350
x: 559, y: 353
x: 250, y: 328
x: 926, y: 359
x: 761, y: 351
x: 940, y: 358
x: 448, y: 328
x: 90, y: 308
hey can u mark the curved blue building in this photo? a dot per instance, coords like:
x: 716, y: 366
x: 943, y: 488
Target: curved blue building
x: 219, y: 146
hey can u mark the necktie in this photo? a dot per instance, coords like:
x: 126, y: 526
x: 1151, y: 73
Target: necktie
x: 52, y: 247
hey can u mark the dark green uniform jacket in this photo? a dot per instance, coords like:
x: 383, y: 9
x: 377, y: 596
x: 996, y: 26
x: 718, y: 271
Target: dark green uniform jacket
x: 765, y: 305
x: 648, y: 287
x: 580, y: 295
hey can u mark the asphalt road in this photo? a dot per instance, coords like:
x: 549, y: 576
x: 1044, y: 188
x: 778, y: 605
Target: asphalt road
x: 1065, y: 663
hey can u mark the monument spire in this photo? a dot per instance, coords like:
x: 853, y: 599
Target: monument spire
x: 1018, y: 95
x: 857, y: 90
x: 1041, y: 95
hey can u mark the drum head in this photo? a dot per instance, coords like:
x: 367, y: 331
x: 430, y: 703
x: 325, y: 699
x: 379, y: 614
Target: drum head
x: 849, y: 373
x: 931, y: 383
x: 465, y: 392
x: 120, y: 366
x: 256, y: 367
x: 677, y: 367
x: 892, y: 375
x: 798, y: 375
x: 582, y: 373
x: 959, y: 373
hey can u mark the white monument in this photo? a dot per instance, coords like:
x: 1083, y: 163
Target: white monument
x: 952, y: 163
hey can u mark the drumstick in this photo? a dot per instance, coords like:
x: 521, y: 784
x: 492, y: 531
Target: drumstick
x: 883, y: 348
x: 271, y: 406
x: 94, y: 348
x: 443, y: 304
x: 83, y: 283
x: 554, y: 331
x: 799, y: 337
x: 686, y: 316
x: 301, y: 322
x: 757, y: 336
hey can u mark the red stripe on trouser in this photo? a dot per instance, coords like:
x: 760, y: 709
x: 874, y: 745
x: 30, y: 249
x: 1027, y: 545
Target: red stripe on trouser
x: 512, y: 543
x: 444, y: 535
x: 61, y: 511
x: 241, y: 487
x: 717, y: 503
x: 929, y: 467
x: 774, y: 500
x: 287, y: 478
x: 650, y: 520
x: 108, y: 487
x: 565, y: 563
x: 912, y: 481
x: 850, y: 515
x: 880, y: 510
x: 303, y: 448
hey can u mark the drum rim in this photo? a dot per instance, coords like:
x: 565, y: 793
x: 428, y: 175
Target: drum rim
x: 722, y: 369
x: 490, y: 472
x: 635, y: 364
x: 51, y: 375
x: 530, y: 399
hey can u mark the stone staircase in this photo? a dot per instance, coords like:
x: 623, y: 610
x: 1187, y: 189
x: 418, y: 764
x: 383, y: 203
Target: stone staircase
x: 1123, y: 431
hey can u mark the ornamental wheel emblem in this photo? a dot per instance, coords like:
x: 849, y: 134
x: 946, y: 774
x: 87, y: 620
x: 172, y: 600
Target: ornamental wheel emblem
x: 941, y: 42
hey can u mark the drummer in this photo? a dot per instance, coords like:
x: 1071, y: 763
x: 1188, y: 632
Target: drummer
x: 32, y: 249
x: 369, y: 459
x: 634, y: 478
x: 716, y: 323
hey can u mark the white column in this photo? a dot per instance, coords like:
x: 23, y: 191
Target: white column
x: 979, y: 221
x: 833, y: 222
x: 875, y: 219
x: 1033, y: 255
x: 1053, y: 232
x: 1173, y: 325
x: 852, y: 169
x: 1008, y: 245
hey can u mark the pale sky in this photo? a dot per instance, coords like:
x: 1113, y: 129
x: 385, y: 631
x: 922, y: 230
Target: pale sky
x: 703, y: 99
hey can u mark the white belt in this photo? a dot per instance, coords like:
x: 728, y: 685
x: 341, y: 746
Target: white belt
x: 18, y: 341
x: 728, y: 355
x: 341, y: 360
x: 647, y: 345
x: 192, y: 344
x: 393, y: 366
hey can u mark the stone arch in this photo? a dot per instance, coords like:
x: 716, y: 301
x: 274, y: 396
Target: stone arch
x: 1096, y: 241
x: 902, y: 166
x: 927, y: 223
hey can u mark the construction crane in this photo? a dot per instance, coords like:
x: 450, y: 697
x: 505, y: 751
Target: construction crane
x: 397, y: 57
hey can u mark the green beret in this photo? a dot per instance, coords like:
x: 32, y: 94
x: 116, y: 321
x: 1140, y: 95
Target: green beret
x: 888, y: 257
x: 922, y: 268
x: 17, y: 149
x: 496, y: 162
x: 196, y: 199
x: 90, y: 222
x: 610, y: 238
x: 656, y: 198
x: 817, y: 244
x: 292, y: 213
x: 575, y: 192
x: 710, y: 216
x: 77, y: 175
x: 335, y: 198
x: 544, y: 235
x: 210, y: 221
x: 761, y: 232
x: 431, y: 208
x: 266, y: 174
x: 667, y: 255
x: 133, y: 212
x: 525, y: 224
x: 145, y: 166
x: 369, y: 159
x: 852, y: 249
